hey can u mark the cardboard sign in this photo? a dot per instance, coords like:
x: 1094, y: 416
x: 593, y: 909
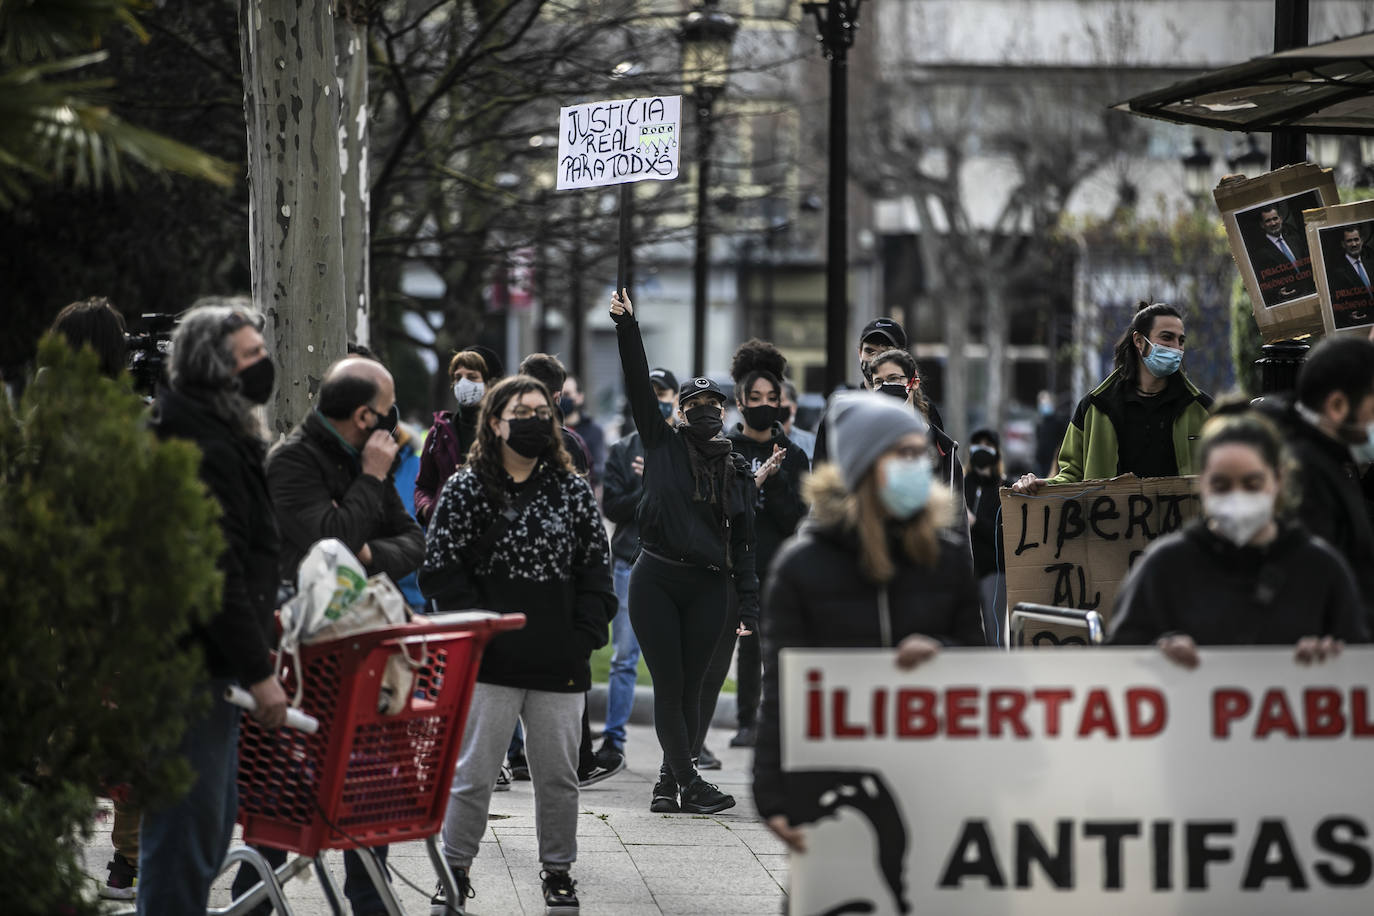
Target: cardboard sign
x: 1341, y: 238
x: 1071, y: 545
x: 619, y: 141
x: 1265, y: 224
x: 1080, y: 783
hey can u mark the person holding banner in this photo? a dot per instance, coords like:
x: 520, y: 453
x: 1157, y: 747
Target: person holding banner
x: 1241, y: 574
x: 1144, y: 418
x: 696, y: 533
x: 874, y: 566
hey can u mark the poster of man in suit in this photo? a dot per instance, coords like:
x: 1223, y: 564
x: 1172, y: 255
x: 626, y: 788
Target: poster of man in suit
x: 1349, y: 273
x: 1277, y: 247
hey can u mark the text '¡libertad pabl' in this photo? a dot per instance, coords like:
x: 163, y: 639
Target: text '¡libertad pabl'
x: 1054, y: 712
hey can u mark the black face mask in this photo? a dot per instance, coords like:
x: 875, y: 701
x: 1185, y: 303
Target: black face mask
x: 567, y: 405
x: 893, y: 390
x: 255, y: 382
x: 530, y: 437
x: 982, y: 459
x: 705, y: 422
x: 386, y: 422
x: 761, y: 416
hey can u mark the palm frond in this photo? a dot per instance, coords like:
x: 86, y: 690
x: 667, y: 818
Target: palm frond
x: 57, y: 131
x: 34, y: 29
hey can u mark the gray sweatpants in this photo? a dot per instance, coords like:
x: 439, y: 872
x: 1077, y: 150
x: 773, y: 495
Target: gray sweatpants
x: 553, y: 731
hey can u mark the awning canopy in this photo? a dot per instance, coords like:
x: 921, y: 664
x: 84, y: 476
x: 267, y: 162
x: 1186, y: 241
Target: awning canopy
x: 1326, y: 88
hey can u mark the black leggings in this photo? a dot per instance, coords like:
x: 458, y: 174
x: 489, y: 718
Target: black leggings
x: 748, y: 679
x: 677, y: 613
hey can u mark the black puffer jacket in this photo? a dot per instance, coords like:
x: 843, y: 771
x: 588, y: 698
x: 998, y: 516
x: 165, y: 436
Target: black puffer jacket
x: 237, y: 639
x: 1196, y: 583
x: 818, y: 597
x: 671, y: 523
x: 551, y: 564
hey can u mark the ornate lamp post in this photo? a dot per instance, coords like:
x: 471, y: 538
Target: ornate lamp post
x: 707, y: 36
x: 836, y: 23
x: 1197, y: 172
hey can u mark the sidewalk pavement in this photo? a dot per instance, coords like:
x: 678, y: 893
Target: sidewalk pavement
x: 631, y: 862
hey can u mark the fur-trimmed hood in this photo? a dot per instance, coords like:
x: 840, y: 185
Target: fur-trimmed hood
x: 833, y: 508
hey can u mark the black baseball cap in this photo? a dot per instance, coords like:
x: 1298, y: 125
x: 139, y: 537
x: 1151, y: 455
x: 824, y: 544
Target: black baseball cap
x: 663, y: 379
x: 699, y: 386
x: 885, y: 327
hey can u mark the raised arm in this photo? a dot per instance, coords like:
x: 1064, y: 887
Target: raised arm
x: 639, y: 391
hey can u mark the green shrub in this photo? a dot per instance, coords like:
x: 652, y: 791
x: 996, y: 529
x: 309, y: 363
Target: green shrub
x: 108, y: 543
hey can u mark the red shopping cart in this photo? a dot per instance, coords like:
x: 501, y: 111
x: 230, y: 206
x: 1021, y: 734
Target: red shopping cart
x: 365, y: 777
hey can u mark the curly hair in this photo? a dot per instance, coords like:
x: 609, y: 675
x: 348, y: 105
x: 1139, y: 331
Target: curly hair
x: 485, y: 456
x: 203, y: 362
x: 757, y: 359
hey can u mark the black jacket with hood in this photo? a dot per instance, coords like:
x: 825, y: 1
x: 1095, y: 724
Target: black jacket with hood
x: 237, y: 639
x: 818, y: 597
x: 778, y: 504
x: 1196, y: 583
x: 671, y: 523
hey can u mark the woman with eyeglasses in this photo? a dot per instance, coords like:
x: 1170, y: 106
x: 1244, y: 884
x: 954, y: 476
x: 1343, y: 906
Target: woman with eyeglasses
x: 516, y: 529
x: 696, y: 533
x: 894, y: 373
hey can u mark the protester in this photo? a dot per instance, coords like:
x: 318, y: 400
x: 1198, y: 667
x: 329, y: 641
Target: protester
x: 1052, y: 420
x: 95, y: 324
x: 219, y: 371
x: 403, y: 476
x: 624, y: 485
x: 801, y: 438
x: 1243, y: 573
x: 982, y: 497
x: 573, y: 404
x: 517, y: 529
x: 696, y: 534
x: 1331, y: 431
x: 332, y: 478
x: 894, y: 373
x: 453, y: 432
x: 1144, y: 418
x: 878, y: 336
x: 874, y: 566
x: 778, y: 467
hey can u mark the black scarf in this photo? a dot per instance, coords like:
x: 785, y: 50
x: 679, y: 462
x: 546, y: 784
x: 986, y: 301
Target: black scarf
x: 710, y: 462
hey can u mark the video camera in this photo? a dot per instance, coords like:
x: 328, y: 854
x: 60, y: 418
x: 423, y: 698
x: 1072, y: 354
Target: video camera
x: 149, y: 345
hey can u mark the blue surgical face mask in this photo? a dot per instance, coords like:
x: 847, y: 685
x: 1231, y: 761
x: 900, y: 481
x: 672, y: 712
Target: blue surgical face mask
x: 905, y: 487
x: 1162, y: 361
x: 666, y: 408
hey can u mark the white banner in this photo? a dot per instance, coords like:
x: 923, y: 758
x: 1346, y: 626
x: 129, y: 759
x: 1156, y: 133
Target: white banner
x: 1108, y: 781
x: 619, y: 141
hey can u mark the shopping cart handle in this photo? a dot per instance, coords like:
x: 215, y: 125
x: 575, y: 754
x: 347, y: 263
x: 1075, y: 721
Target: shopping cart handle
x: 296, y: 719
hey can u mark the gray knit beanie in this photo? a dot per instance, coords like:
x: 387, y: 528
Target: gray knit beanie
x: 863, y: 425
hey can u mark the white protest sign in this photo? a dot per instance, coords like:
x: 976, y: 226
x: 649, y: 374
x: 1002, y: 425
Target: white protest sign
x: 619, y: 141
x: 1109, y: 781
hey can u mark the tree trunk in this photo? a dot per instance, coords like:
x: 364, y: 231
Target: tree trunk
x: 351, y: 43
x: 995, y: 333
x: 951, y: 297
x: 291, y: 105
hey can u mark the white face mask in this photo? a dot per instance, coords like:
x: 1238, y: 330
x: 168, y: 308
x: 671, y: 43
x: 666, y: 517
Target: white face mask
x: 468, y: 392
x: 1237, y: 516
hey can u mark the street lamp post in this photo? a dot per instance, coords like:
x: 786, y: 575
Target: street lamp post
x: 836, y: 23
x: 1197, y: 172
x: 707, y: 35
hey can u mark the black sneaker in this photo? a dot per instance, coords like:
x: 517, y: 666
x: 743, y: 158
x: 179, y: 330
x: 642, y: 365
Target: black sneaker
x: 439, y: 905
x: 123, y: 881
x: 707, y: 760
x: 665, y: 795
x: 560, y: 890
x: 519, y: 768
x: 744, y: 737
x: 601, y: 767
x: 703, y: 798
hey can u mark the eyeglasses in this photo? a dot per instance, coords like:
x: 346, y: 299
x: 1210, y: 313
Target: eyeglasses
x: 895, y: 378
x: 523, y: 412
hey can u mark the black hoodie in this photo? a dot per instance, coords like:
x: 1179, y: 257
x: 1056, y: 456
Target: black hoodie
x: 778, y: 505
